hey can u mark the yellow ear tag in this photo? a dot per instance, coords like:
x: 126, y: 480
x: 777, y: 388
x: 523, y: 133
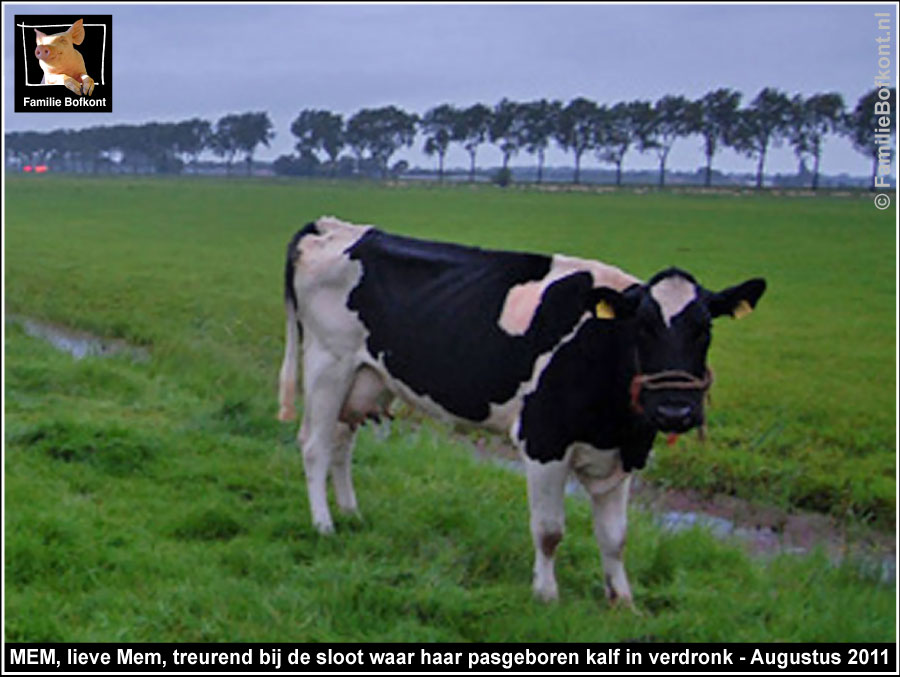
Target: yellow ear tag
x: 742, y: 310
x: 604, y: 311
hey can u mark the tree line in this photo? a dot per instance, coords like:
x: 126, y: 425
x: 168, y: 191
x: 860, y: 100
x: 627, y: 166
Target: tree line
x: 159, y: 147
x: 374, y: 135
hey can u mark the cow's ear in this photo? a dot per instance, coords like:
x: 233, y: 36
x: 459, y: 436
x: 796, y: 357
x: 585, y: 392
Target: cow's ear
x: 737, y: 301
x: 609, y: 304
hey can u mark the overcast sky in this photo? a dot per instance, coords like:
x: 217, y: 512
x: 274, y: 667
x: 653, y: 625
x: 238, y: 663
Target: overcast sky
x: 176, y: 61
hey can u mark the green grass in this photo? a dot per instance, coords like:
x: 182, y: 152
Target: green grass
x: 162, y: 501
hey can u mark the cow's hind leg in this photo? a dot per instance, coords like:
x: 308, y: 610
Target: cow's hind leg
x: 546, y: 502
x: 341, y: 469
x: 367, y: 398
x: 326, y: 381
x: 609, y: 506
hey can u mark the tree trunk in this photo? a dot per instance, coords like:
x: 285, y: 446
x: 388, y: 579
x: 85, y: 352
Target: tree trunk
x: 472, y: 166
x: 540, y: 165
x: 662, y: 171
x: 440, y: 167
x: 619, y: 173
x: 815, y: 179
x: 708, y: 181
x: 577, y: 167
x: 759, y: 168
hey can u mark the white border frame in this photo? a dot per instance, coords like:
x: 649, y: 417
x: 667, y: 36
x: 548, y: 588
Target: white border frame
x: 25, y: 53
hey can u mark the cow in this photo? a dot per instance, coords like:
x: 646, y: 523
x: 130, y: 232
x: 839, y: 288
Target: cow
x: 579, y: 362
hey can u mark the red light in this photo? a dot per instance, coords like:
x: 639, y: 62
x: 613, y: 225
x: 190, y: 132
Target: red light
x: 40, y: 169
x: 27, y: 168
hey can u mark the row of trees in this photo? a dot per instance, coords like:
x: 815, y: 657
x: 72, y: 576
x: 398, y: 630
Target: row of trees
x: 151, y: 147
x: 581, y: 126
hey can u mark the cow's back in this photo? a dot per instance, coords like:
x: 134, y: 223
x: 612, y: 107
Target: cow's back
x: 432, y: 312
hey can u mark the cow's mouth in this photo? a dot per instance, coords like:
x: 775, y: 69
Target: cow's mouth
x: 676, y: 417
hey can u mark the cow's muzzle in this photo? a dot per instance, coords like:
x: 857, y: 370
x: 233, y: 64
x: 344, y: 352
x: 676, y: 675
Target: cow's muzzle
x: 677, y: 417
x: 678, y: 398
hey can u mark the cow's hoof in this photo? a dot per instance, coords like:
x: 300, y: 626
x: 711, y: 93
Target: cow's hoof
x: 324, y: 528
x: 352, y: 521
x: 546, y: 595
x: 625, y: 603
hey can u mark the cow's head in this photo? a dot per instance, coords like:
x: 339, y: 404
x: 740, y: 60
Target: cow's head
x: 668, y: 323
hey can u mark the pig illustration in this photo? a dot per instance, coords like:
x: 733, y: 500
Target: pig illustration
x: 62, y: 64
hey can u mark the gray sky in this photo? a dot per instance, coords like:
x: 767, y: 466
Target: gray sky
x: 176, y: 61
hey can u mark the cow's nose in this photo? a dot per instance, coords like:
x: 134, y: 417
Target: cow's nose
x: 675, y: 417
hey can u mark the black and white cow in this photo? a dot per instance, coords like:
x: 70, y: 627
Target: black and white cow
x: 579, y: 362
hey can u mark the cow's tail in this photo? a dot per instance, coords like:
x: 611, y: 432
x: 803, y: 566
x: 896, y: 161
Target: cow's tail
x: 287, y: 381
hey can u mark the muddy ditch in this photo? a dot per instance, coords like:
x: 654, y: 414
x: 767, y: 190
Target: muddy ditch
x: 78, y: 344
x: 763, y: 530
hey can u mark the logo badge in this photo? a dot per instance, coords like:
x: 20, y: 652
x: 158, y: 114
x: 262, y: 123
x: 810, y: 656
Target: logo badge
x: 63, y: 63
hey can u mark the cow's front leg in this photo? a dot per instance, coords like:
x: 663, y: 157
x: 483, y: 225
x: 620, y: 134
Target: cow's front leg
x: 546, y: 493
x: 609, y: 506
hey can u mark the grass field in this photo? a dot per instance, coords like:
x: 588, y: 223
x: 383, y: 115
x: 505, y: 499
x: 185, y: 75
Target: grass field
x: 162, y: 501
